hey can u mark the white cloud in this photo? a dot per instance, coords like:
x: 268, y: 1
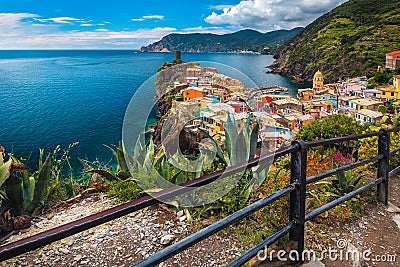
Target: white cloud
x: 21, y: 31
x: 138, y: 19
x: 92, y: 39
x: 10, y: 21
x: 267, y: 15
x: 220, y: 7
x: 160, y: 17
x: 62, y: 20
x: 201, y: 29
x: 143, y: 18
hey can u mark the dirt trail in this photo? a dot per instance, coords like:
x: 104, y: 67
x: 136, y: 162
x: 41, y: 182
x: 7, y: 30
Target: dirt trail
x: 133, y: 237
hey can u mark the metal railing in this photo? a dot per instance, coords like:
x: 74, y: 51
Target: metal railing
x: 296, y: 190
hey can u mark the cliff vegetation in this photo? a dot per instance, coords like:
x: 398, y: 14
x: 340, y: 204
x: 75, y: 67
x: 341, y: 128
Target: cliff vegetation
x: 245, y: 40
x: 347, y: 41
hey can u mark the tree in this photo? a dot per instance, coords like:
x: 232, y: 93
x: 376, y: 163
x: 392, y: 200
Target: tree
x: 333, y: 126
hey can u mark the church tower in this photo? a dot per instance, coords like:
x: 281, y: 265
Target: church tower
x: 318, y: 81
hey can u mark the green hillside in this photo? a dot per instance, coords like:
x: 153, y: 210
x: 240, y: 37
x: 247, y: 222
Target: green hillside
x: 347, y: 41
x: 249, y: 40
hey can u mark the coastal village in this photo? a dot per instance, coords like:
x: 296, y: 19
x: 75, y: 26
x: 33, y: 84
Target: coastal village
x: 281, y: 115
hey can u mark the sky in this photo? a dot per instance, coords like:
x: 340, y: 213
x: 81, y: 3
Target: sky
x: 117, y: 24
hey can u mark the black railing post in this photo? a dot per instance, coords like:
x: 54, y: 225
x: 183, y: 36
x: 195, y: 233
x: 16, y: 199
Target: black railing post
x: 383, y: 166
x: 298, y: 197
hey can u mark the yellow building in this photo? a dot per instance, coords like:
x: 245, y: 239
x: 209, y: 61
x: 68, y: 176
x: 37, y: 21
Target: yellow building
x: 391, y: 92
x: 396, y: 82
x: 318, y: 81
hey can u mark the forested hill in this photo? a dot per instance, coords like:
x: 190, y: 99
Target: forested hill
x: 347, y: 41
x: 245, y: 40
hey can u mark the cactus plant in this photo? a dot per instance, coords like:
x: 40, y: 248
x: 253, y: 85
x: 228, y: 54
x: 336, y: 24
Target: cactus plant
x: 23, y: 193
x: 4, y: 167
x: 240, y: 146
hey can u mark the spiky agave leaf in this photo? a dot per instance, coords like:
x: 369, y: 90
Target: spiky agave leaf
x: 220, y: 154
x: 1, y: 155
x: 240, y: 152
x: 28, y: 184
x: 136, y: 153
x: 41, y: 185
x: 86, y: 164
x: 248, y: 120
x: 253, y: 141
x: 5, y: 171
x: 231, y: 135
x: 148, y: 160
x: 14, y: 195
x: 121, y: 154
x: 165, y: 172
x: 177, y: 178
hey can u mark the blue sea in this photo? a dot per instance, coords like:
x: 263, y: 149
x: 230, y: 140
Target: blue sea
x: 51, y: 98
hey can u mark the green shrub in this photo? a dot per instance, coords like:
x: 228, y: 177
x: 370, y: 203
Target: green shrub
x: 125, y: 191
x: 333, y: 126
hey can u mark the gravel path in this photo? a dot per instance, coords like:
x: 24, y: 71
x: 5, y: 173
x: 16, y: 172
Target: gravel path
x: 138, y: 235
x: 123, y: 241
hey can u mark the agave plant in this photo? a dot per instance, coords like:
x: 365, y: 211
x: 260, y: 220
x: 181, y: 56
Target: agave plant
x: 344, y: 182
x: 24, y: 192
x: 121, y: 172
x: 142, y: 161
x: 4, y: 171
x: 240, y: 146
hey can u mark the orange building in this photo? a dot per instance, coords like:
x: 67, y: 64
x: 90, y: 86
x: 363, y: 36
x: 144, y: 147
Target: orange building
x: 192, y: 93
x: 322, y: 105
x: 393, y: 60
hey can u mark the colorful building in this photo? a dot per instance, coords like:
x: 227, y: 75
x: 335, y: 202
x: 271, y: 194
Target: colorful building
x: 192, y: 81
x: 364, y: 103
x: 211, y: 70
x: 388, y: 93
x: 391, y: 92
x: 396, y: 82
x: 344, y: 101
x: 191, y: 93
x: 286, y: 106
x: 195, y: 71
x: 393, y: 60
x: 322, y: 105
x: 297, y: 121
x: 367, y: 116
x: 238, y: 106
x: 261, y: 103
x: 372, y: 93
x: 305, y: 94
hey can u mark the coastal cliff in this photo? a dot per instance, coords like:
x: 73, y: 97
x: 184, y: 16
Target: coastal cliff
x: 245, y: 40
x: 348, y: 41
x: 173, y: 117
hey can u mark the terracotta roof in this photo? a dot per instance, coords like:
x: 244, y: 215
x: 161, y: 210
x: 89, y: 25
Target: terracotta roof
x: 394, y: 53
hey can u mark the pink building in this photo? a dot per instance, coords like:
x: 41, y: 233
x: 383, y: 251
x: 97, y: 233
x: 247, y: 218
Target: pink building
x: 238, y: 106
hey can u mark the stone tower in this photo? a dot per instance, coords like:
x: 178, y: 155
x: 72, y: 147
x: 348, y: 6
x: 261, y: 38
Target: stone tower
x: 178, y: 59
x: 318, y: 81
